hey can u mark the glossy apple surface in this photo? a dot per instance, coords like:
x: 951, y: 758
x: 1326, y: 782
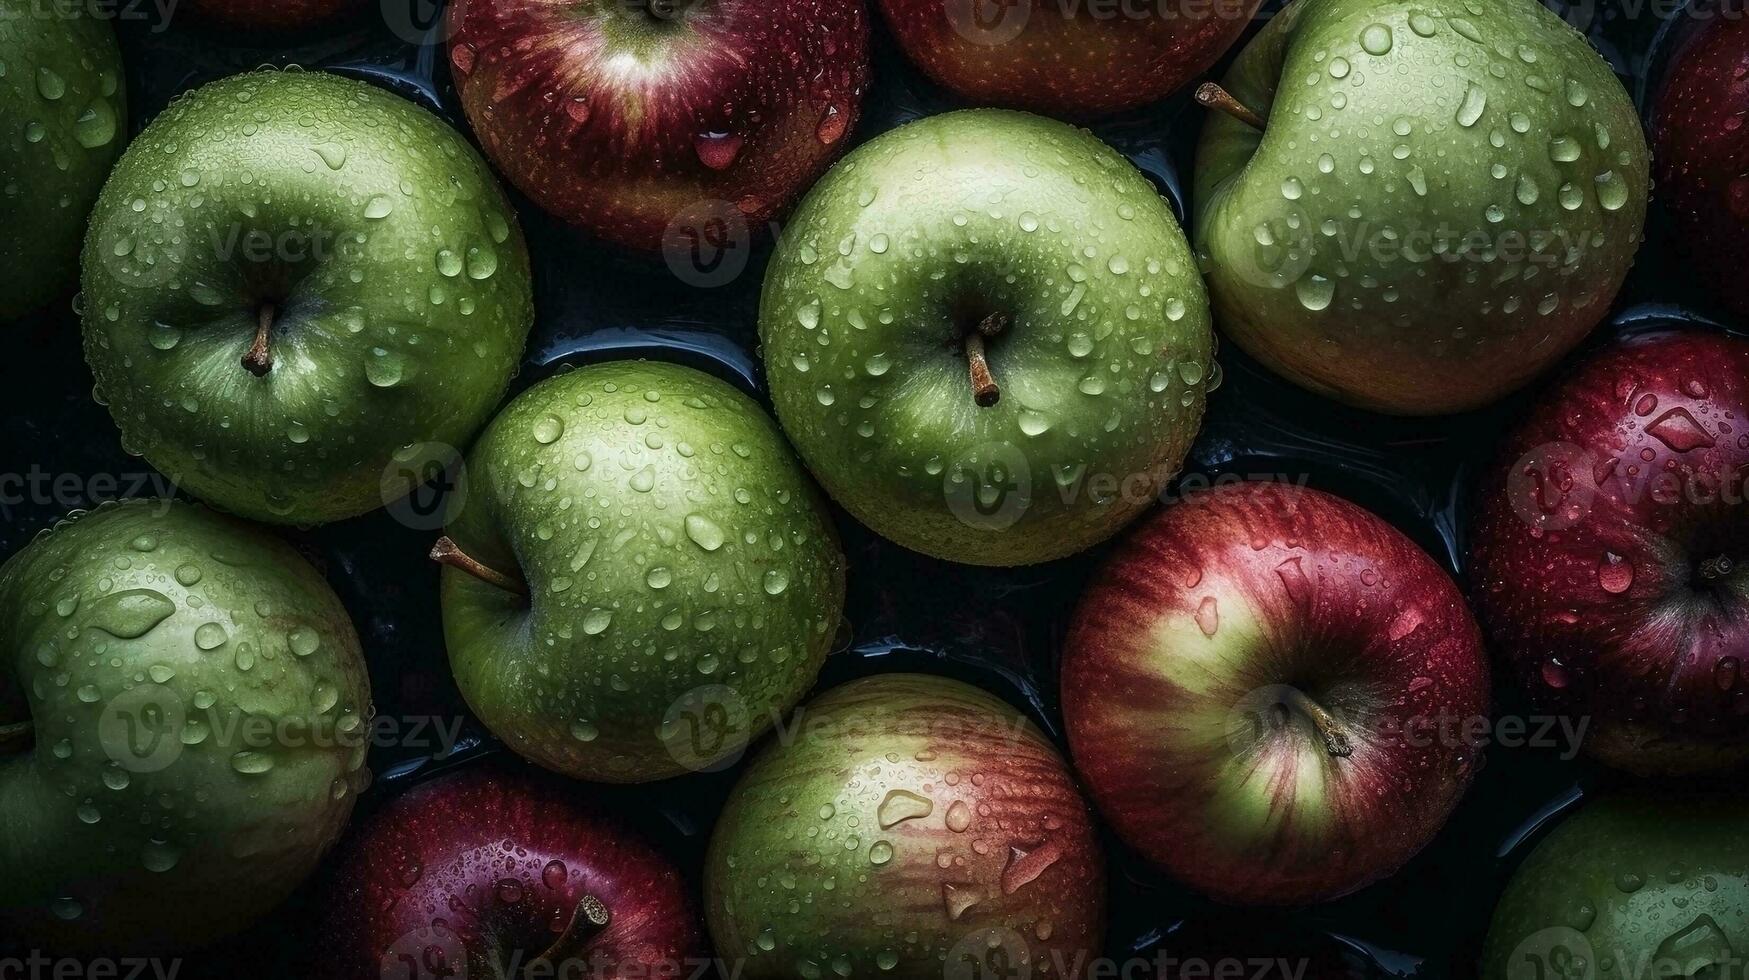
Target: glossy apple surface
x: 668, y: 579
x: 1013, y: 242
x: 1703, y: 154
x: 291, y: 278
x: 906, y: 822
x: 1075, y: 59
x: 1444, y: 200
x: 1611, y: 552
x: 63, y: 120
x: 500, y: 868
x: 626, y: 117
x: 189, y: 716
x: 1272, y: 694
x: 273, y: 15
x: 1634, y: 886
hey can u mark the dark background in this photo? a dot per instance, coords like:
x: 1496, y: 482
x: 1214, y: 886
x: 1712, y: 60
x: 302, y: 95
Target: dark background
x: 996, y: 628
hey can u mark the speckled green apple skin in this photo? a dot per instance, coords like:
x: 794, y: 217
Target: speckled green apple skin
x: 398, y: 275
x: 920, y: 234
x: 1338, y: 243
x: 685, y: 580
x: 149, y: 639
x: 899, y: 826
x: 63, y: 120
x: 1630, y: 888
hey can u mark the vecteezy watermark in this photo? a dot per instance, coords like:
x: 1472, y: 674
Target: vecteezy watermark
x: 709, y: 243
x: 36, y: 965
x: 438, y: 953
x: 140, y: 252
x: 1271, y: 709
x: 993, y: 22
x: 1695, y: 947
x: 415, y: 21
x: 423, y: 483
x: 1554, y: 486
x: 37, y: 487
x: 158, y: 12
x: 707, y: 729
x: 999, y: 953
x: 146, y: 730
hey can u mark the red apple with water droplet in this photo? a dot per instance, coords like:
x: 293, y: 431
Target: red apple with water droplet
x: 1611, y: 552
x: 1078, y: 59
x: 1701, y: 148
x: 656, y: 123
x: 504, y: 871
x: 1273, y: 694
x: 906, y: 825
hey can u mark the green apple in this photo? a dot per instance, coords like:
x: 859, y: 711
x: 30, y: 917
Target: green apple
x: 1415, y: 206
x: 641, y: 576
x: 183, y: 727
x: 1636, y: 888
x: 290, y: 278
x: 63, y: 119
x: 988, y: 337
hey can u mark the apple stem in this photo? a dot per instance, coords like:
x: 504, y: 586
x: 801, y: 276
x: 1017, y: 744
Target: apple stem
x: 447, y: 552
x: 1212, y: 96
x: 985, y: 391
x: 1335, y: 742
x: 1717, y: 568
x: 14, y: 737
x: 587, y: 921
x: 257, y: 359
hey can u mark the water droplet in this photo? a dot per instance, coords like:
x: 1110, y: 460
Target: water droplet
x: 718, y: 151
x: 901, y: 805
x: 1207, y: 616
x: 1474, y: 104
x: 1315, y: 292
x: 1376, y: 40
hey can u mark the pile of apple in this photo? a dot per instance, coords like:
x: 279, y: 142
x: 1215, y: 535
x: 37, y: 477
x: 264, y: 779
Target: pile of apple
x: 987, y: 339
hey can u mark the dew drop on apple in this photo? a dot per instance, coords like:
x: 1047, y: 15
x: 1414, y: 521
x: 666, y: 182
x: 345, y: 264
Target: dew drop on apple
x: 958, y: 899
x: 959, y: 817
x: 1615, y: 574
x: 158, y: 856
x: 252, y: 763
x: 66, y: 909
x: 1474, y: 104
x: 1315, y: 292
x: 596, y: 621
x: 383, y: 369
x: 1376, y: 40
x: 210, y: 636
x: 1612, y: 191
x: 1207, y: 616
x: 379, y: 207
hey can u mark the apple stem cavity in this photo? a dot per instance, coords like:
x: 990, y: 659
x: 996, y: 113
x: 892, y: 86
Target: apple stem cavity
x: 1335, y: 742
x: 666, y: 9
x: 1212, y: 96
x: 447, y: 552
x: 587, y: 921
x: 985, y: 391
x: 258, y: 359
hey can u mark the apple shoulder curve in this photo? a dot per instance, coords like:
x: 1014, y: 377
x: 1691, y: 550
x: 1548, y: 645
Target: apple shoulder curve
x: 184, y: 720
x: 661, y: 124
x: 291, y: 280
x: 641, y: 579
x: 988, y: 338
x: 1442, y: 200
x: 1273, y: 694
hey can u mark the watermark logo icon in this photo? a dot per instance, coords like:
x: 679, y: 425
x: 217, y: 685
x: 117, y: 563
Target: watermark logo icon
x: 991, y: 953
x: 141, y: 729
x: 989, y: 22
x: 990, y: 487
x: 708, y: 244
x: 706, y: 729
x: 423, y: 483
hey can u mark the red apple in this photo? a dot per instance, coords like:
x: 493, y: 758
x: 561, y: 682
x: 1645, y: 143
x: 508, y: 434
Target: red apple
x: 481, y: 873
x: 1079, y: 59
x: 1611, y: 552
x: 1701, y: 148
x: 272, y: 15
x: 641, y: 120
x: 1273, y: 694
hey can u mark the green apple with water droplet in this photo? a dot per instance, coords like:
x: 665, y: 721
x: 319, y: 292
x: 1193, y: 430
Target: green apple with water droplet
x: 63, y: 116
x: 184, y: 718
x: 1417, y: 207
x: 641, y: 577
x: 988, y: 337
x: 290, y: 280
x: 904, y: 825
x: 1638, y: 887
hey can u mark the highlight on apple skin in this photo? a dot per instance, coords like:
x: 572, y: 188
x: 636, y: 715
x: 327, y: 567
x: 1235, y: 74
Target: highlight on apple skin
x: 1611, y: 552
x: 934, y: 827
x: 498, y: 869
x: 290, y: 279
x: 184, y: 720
x: 645, y: 121
x: 987, y: 337
x: 1273, y: 694
x: 641, y: 577
x: 1442, y: 201
x: 1076, y: 60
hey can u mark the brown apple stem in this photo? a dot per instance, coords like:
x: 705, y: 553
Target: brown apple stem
x: 1335, y: 742
x: 258, y: 359
x: 985, y: 391
x: 447, y: 552
x: 1717, y: 568
x: 587, y: 921
x: 1212, y: 96
x: 13, y: 738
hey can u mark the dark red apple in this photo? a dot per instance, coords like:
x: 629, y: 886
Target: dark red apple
x: 484, y: 872
x: 1069, y: 57
x: 645, y: 121
x: 272, y: 15
x: 1701, y: 149
x: 1611, y: 552
x: 1273, y: 694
